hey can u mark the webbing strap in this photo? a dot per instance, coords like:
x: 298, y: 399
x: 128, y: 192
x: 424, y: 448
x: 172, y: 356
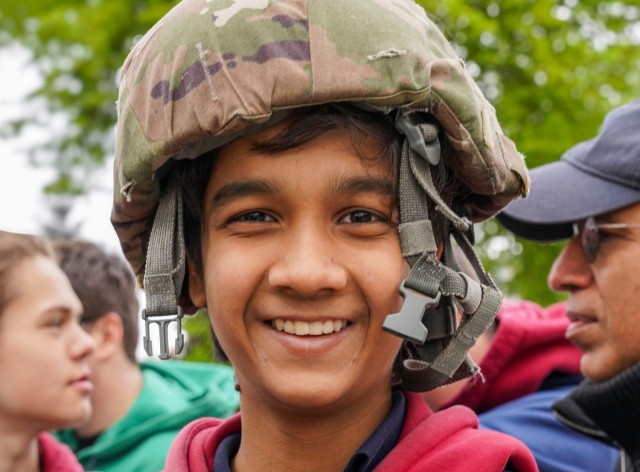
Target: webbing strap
x: 469, y: 330
x: 467, y: 248
x: 416, y: 237
x: 164, y: 272
x: 471, y: 301
x: 414, y: 207
x: 414, y: 217
x: 445, y: 360
x: 422, y: 172
x: 442, y: 358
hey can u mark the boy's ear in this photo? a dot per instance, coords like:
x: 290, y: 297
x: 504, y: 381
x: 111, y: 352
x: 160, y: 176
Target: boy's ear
x: 108, y: 332
x: 196, y: 285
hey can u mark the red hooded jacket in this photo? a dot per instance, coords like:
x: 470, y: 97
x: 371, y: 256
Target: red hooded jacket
x: 447, y: 441
x: 528, y: 345
x: 55, y: 456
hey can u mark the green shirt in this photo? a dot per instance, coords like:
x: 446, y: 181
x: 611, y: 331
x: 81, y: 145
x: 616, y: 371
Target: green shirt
x: 174, y: 393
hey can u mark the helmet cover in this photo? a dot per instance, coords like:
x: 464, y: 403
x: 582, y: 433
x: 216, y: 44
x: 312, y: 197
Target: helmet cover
x: 213, y: 70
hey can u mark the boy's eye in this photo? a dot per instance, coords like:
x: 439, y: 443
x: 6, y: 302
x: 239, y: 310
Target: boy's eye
x: 253, y: 216
x: 56, y: 322
x: 360, y: 217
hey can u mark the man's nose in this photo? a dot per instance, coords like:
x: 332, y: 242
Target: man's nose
x: 570, y: 270
x: 309, y: 264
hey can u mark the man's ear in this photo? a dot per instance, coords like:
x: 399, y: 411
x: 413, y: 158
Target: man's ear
x: 196, y: 285
x: 108, y: 332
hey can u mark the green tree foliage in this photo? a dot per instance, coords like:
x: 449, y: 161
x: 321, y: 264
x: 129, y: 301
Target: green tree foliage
x: 552, y: 69
x: 200, y: 346
x: 78, y: 46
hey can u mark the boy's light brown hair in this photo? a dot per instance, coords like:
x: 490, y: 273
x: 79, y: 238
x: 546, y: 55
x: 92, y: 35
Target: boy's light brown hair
x: 15, y: 248
x: 104, y: 283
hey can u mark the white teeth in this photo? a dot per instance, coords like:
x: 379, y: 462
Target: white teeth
x: 315, y: 328
x: 289, y: 327
x: 327, y: 327
x: 302, y: 328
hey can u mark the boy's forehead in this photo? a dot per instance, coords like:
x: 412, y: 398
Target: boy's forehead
x: 241, y: 168
x: 366, y: 146
x: 312, y: 131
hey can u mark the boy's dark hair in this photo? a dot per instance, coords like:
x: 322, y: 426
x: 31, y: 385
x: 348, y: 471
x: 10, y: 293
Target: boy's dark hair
x: 104, y: 283
x: 307, y: 125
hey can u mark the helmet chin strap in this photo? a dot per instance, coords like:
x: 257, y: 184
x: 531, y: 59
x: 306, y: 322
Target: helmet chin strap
x: 428, y: 318
x: 164, y: 272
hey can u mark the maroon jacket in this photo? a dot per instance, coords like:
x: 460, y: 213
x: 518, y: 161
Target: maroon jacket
x: 528, y: 345
x: 448, y: 440
x: 55, y: 456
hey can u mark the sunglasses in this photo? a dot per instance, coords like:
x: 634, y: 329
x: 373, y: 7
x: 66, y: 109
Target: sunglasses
x: 589, y: 234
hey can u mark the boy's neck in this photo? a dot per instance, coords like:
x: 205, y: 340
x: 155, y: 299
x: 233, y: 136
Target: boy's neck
x: 117, y: 385
x: 18, y: 452
x: 289, y: 441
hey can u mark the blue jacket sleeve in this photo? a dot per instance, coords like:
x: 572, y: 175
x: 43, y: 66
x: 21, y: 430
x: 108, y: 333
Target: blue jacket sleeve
x: 555, y: 447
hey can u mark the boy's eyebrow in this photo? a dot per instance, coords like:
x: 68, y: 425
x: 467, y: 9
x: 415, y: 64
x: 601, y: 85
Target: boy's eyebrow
x: 364, y: 184
x: 354, y: 184
x: 56, y: 310
x: 242, y: 188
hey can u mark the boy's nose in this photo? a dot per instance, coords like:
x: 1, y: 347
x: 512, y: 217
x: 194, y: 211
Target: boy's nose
x: 308, y: 265
x: 82, y: 344
x: 570, y: 270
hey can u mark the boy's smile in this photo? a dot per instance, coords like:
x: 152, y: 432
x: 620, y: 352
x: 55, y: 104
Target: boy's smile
x: 302, y: 263
x: 305, y: 328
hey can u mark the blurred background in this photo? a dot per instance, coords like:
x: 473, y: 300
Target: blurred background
x: 552, y: 69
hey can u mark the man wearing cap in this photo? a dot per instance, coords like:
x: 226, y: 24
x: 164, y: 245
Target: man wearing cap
x: 598, y: 183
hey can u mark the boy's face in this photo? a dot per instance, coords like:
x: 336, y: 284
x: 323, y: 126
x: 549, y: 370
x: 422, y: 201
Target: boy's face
x: 301, y: 264
x: 43, y: 350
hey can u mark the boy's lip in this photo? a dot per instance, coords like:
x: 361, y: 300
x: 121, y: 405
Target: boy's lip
x: 271, y: 316
x: 305, y: 345
x: 317, y: 327
x: 82, y: 383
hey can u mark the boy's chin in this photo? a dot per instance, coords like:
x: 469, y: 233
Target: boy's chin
x: 315, y: 394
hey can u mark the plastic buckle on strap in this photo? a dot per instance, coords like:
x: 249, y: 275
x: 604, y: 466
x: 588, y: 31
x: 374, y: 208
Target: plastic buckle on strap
x: 407, y: 323
x: 163, y: 326
x: 409, y: 126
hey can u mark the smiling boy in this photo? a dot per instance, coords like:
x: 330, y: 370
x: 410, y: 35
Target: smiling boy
x: 305, y: 160
x: 305, y: 241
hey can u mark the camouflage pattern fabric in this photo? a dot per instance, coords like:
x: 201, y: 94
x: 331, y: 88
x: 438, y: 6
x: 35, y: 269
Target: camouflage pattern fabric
x: 212, y: 70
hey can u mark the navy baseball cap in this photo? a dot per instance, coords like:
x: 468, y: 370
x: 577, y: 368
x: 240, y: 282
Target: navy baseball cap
x: 591, y: 178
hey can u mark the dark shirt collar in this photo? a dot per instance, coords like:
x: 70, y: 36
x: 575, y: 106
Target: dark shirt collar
x: 365, y: 459
x: 383, y: 439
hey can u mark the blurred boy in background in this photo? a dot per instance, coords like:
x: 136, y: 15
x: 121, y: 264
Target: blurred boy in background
x: 138, y: 407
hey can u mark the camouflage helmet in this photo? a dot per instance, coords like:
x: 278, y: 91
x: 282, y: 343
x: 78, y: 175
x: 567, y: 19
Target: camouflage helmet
x: 213, y: 70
